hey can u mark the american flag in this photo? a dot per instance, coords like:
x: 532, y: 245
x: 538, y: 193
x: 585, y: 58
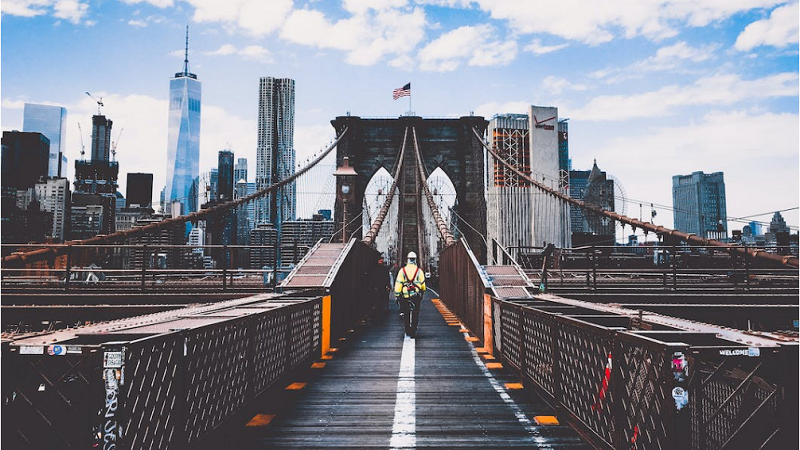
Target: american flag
x: 404, y: 91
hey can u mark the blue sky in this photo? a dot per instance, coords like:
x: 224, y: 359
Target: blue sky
x: 652, y: 88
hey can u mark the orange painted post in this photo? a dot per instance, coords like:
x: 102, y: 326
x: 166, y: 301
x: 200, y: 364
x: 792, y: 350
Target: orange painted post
x: 488, y: 340
x: 326, y: 324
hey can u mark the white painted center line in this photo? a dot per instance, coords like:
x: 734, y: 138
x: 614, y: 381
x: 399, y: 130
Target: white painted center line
x: 404, y: 428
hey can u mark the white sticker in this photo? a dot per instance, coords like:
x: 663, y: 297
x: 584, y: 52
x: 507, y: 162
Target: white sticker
x: 112, y: 360
x: 56, y: 350
x: 752, y: 351
x: 31, y: 350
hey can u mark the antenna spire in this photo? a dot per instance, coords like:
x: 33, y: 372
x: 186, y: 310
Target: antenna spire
x: 186, y: 54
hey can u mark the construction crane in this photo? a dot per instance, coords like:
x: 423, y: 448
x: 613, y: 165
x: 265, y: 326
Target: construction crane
x: 83, y: 149
x: 99, y: 102
x: 114, y: 145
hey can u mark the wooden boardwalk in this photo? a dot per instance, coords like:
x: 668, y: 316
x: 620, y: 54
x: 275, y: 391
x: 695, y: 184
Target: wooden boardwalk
x: 383, y: 390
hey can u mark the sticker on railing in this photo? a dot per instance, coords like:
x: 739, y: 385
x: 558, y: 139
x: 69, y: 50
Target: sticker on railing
x: 681, y: 397
x: 601, y: 394
x: 635, y: 436
x: 752, y: 351
x: 31, y: 350
x: 56, y: 350
x: 112, y: 360
x: 680, y: 367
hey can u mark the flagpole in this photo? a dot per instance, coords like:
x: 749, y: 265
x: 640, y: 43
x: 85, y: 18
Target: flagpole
x: 409, y: 101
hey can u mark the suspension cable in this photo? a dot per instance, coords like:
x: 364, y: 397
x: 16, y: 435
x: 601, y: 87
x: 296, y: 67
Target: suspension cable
x: 787, y: 260
x: 43, y: 253
x: 372, y: 234
x: 441, y: 225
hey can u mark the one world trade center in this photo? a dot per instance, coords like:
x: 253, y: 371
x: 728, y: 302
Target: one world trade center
x: 183, y: 146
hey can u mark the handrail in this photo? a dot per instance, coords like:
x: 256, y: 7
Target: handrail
x: 372, y: 234
x: 791, y: 261
x: 37, y: 255
x: 441, y: 225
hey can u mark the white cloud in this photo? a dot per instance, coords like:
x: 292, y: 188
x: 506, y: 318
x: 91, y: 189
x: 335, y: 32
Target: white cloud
x: 362, y: 6
x: 25, y: 8
x: 536, y: 47
x: 715, y: 91
x: 144, y: 22
x: 255, y: 17
x: 469, y: 43
x: 251, y: 52
x: 490, y: 109
x: 71, y: 10
x: 603, y: 20
x: 367, y: 37
x: 226, y: 49
x: 758, y: 154
x: 256, y: 53
x: 156, y: 3
x: 557, y: 85
x: 779, y: 30
x: 13, y: 104
x: 671, y: 57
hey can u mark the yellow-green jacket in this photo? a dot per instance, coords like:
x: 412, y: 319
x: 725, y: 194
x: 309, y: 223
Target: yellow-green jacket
x: 410, y: 279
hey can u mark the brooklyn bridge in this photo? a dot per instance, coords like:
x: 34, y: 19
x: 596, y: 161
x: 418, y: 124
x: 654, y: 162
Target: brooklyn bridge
x: 692, y: 344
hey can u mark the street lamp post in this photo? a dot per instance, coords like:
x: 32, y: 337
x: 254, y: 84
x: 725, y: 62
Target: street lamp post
x: 344, y: 175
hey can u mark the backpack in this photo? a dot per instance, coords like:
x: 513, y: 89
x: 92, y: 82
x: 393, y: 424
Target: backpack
x: 410, y: 283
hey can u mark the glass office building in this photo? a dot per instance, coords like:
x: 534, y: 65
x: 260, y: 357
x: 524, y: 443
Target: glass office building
x: 275, y: 156
x: 183, y: 146
x: 51, y: 121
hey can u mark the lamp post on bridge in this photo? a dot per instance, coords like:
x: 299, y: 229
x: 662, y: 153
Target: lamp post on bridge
x: 344, y: 176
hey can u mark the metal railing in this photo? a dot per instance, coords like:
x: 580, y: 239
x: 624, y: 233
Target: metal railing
x: 145, y: 383
x: 672, y: 268
x: 152, y: 268
x: 462, y: 285
x: 663, y: 388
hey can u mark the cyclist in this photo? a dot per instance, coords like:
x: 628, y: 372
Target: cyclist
x: 409, y: 287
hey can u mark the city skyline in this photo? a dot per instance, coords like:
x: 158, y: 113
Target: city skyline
x: 700, y: 87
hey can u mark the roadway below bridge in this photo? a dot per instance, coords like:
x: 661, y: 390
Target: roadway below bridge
x: 380, y: 389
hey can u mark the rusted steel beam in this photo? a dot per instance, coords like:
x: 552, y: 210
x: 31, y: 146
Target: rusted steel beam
x: 378, y: 222
x: 441, y: 225
x: 691, y: 238
x: 47, y: 252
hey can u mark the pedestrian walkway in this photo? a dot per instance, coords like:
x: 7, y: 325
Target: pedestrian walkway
x: 381, y: 389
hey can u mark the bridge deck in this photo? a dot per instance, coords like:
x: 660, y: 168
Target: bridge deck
x: 445, y: 398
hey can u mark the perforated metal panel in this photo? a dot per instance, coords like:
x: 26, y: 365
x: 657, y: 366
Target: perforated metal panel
x: 584, y: 352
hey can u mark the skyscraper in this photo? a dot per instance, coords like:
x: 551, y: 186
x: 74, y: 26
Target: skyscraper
x: 240, y: 170
x: 54, y: 197
x: 225, y: 180
x: 24, y: 158
x: 93, y: 206
x: 595, y: 188
x: 698, y: 201
x: 275, y: 157
x: 183, y: 142
x: 139, y: 189
x: 550, y: 219
x: 51, y: 121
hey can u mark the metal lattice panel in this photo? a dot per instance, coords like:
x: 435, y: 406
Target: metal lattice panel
x: 302, y: 330
x: 510, y: 335
x: 269, y: 346
x: 645, y: 395
x: 50, y: 402
x: 216, y: 376
x: 153, y: 382
x: 538, y: 349
x: 584, y: 358
x: 755, y: 397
